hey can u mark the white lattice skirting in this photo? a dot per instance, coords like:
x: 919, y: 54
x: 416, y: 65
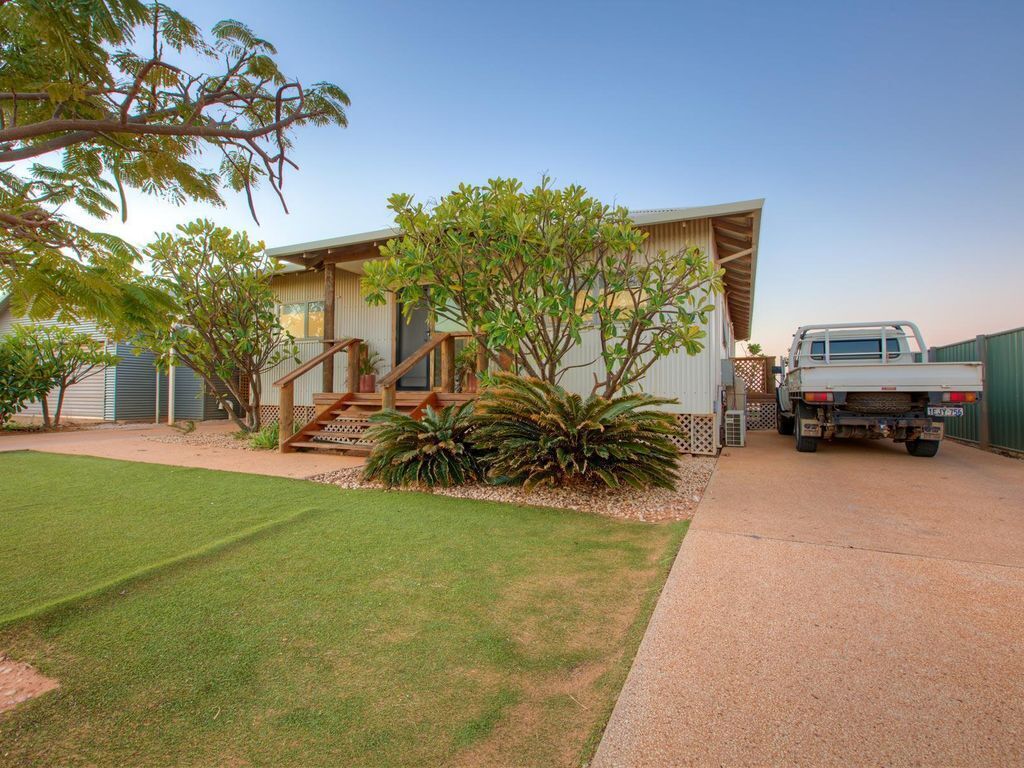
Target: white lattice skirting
x: 696, y: 433
x: 303, y: 414
x: 761, y: 415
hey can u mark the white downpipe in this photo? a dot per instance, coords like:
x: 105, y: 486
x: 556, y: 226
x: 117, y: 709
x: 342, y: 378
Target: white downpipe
x: 170, y: 389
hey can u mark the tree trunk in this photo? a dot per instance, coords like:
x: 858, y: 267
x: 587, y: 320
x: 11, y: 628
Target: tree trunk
x: 46, y: 411
x: 254, y: 404
x: 60, y: 405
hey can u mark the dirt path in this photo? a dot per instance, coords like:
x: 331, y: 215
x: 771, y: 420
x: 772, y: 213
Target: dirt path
x: 852, y: 607
x: 20, y: 682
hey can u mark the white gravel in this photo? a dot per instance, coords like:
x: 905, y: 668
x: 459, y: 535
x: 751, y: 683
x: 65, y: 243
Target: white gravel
x: 652, y: 505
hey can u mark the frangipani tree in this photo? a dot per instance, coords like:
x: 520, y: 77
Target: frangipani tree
x: 532, y: 271
x: 224, y: 325
x: 63, y: 357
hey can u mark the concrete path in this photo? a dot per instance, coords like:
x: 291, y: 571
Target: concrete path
x: 133, y: 443
x: 856, y: 606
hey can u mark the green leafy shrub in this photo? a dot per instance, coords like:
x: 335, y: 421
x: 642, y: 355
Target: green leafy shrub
x: 266, y: 439
x: 535, y: 433
x: 435, y: 451
x: 22, y: 379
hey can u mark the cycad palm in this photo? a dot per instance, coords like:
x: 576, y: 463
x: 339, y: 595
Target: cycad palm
x: 433, y: 451
x: 536, y: 433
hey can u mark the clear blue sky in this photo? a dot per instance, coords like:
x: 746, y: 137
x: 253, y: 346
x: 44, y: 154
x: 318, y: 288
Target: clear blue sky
x: 887, y: 138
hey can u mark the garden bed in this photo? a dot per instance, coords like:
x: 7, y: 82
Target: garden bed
x: 651, y: 505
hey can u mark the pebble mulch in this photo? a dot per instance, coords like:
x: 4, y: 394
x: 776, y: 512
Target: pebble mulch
x: 204, y: 440
x: 652, y: 505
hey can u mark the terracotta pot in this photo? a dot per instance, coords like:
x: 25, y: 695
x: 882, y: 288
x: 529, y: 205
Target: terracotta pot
x: 367, y: 382
x: 470, y: 384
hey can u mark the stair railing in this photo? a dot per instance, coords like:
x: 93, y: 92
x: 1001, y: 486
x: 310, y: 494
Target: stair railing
x: 389, y: 383
x: 286, y: 402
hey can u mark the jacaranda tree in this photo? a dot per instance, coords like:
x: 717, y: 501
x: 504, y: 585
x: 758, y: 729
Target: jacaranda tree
x: 101, y: 96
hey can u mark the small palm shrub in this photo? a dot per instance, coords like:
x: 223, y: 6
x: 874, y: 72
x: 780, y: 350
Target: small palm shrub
x: 434, y: 451
x: 536, y: 433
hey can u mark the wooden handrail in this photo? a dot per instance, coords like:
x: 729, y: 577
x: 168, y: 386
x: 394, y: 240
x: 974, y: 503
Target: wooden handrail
x: 428, y: 346
x: 311, y: 364
x: 286, y: 400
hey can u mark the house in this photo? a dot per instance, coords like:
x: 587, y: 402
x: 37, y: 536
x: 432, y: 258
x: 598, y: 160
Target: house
x: 127, y: 391
x: 319, y: 301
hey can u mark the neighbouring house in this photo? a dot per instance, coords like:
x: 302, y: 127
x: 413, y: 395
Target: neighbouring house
x: 128, y: 391
x: 319, y: 301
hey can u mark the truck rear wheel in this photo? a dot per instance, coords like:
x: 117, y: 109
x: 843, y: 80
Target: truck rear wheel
x: 803, y: 444
x: 783, y: 422
x: 923, y: 448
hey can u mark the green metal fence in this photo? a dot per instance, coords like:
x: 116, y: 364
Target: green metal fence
x: 998, y: 421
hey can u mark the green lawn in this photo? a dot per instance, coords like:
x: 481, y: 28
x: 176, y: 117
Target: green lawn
x: 205, y: 618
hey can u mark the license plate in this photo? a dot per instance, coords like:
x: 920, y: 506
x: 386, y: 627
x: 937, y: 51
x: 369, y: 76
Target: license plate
x: 945, y: 410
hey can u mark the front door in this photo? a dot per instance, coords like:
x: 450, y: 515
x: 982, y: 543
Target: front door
x: 411, y: 333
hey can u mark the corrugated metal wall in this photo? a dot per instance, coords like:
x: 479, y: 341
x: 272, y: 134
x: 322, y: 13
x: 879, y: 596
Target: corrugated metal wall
x: 693, y: 380
x: 1003, y: 399
x: 192, y: 400
x: 352, y: 317
x: 131, y: 386
x: 84, y: 400
x: 127, y: 391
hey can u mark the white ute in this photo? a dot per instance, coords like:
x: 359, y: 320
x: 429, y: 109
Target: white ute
x: 837, y: 382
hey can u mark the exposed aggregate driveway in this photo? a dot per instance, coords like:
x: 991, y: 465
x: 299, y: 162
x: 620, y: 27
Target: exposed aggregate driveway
x: 857, y: 606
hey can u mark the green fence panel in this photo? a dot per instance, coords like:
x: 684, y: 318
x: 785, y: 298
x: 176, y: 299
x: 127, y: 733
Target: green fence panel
x: 967, y: 427
x: 1004, y: 382
x: 1004, y: 389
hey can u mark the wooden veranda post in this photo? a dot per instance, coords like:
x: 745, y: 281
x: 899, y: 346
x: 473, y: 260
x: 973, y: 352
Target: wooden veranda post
x: 285, y: 415
x: 328, y: 365
x: 448, y: 364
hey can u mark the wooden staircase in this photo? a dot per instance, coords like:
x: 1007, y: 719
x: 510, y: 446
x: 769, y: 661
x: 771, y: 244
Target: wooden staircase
x: 342, y: 422
x: 343, y: 418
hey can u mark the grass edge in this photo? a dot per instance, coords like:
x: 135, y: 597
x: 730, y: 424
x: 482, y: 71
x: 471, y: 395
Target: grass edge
x: 615, y: 676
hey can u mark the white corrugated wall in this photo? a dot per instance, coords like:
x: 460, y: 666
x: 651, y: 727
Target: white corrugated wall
x: 84, y: 400
x: 352, y: 317
x: 694, y: 381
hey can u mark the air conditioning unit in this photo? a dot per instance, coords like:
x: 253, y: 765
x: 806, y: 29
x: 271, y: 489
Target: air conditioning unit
x: 735, y: 429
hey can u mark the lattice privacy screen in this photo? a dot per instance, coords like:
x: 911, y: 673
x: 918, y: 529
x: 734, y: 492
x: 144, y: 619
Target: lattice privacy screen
x: 761, y: 415
x: 696, y: 433
x: 756, y: 373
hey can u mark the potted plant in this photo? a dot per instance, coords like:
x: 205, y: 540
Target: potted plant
x: 369, y: 362
x: 465, y: 367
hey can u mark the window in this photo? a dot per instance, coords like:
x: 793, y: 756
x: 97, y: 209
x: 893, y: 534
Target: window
x: 855, y: 349
x: 293, y: 319
x: 304, y: 320
x: 315, y: 319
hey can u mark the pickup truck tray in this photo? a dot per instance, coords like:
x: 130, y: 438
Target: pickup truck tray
x: 886, y: 377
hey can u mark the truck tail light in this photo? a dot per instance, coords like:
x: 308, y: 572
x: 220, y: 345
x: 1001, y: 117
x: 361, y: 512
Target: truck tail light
x: 959, y: 397
x: 818, y: 397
